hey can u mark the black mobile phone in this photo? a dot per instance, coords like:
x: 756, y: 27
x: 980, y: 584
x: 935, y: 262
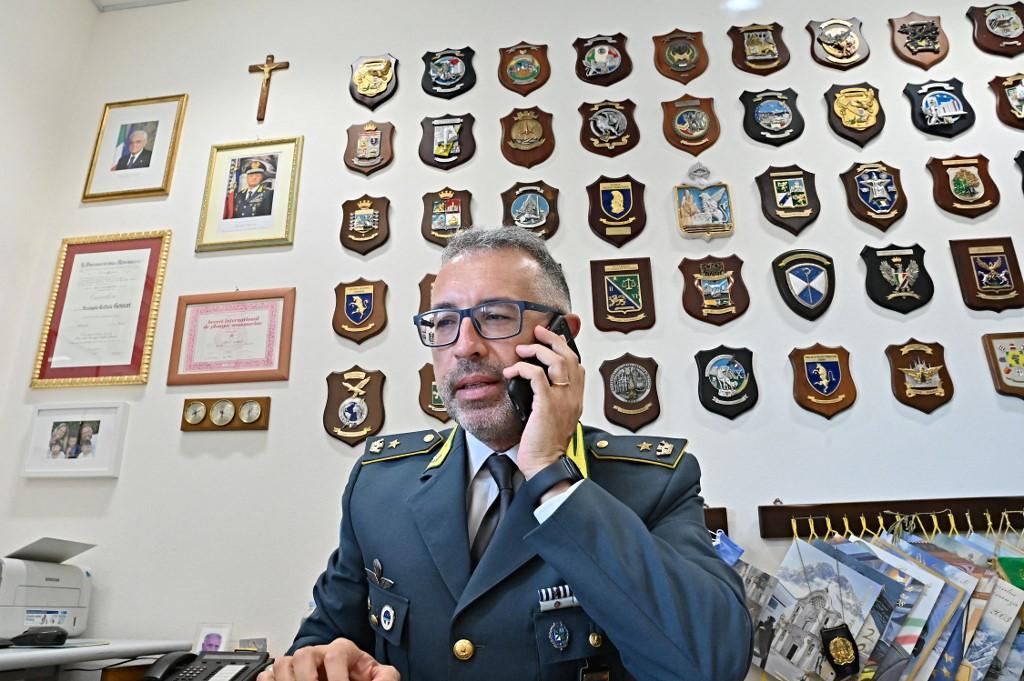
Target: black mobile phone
x: 519, y: 390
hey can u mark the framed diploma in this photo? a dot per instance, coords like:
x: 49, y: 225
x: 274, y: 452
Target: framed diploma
x: 101, y: 316
x: 232, y: 337
x: 251, y: 192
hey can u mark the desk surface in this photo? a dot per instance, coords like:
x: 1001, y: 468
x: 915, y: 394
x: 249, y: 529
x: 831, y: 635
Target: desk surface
x: 111, y: 649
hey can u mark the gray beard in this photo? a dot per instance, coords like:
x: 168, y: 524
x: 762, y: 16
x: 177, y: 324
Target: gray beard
x: 496, y: 425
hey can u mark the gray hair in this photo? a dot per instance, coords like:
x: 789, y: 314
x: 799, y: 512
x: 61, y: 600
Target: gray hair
x: 552, y: 283
x: 139, y: 131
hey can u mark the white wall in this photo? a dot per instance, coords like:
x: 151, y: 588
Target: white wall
x: 235, y: 526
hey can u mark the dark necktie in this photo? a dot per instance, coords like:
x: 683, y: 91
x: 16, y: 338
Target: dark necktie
x: 502, y: 470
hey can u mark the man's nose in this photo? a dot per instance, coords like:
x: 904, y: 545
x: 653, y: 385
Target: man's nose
x: 469, y: 341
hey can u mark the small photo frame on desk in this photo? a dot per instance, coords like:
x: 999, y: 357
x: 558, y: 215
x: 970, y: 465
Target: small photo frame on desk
x: 213, y: 637
x: 76, y: 441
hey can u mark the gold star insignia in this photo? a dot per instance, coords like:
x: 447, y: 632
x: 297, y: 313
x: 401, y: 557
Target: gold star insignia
x: 644, y: 446
x: 394, y: 443
x: 946, y: 673
x: 949, y: 658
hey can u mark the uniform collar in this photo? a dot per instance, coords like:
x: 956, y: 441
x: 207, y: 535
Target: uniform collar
x: 477, y: 452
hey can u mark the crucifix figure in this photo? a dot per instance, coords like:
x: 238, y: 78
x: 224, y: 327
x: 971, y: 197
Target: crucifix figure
x: 266, y: 68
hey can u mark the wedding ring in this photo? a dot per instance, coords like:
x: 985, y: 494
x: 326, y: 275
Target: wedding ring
x: 559, y: 385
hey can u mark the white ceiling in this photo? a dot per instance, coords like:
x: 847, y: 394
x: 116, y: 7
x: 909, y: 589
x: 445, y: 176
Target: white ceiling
x: 113, y: 5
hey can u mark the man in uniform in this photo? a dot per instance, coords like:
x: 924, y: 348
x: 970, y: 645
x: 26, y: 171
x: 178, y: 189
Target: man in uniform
x: 499, y: 551
x: 254, y: 198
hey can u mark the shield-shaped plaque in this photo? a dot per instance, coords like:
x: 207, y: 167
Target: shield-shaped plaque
x: 1019, y: 160
x: 713, y: 289
x: 364, y: 223
x: 920, y: 378
x: 374, y: 80
x: 630, y: 391
x: 771, y: 116
x: 789, y: 197
x: 838, y: 43
x: 355, y: 404
x: 1009, y: 99
x: 680, y: 55
x: 524, y: 67
x: 445, y: 212
x: 426, y: 287
x: 704, y: 208
x: 822, y: 382
x: 962, y: 185
x: 689, y: 123
x: 919, y: 39
x: 758, y: 48
x: 448, y: 73
x: 1005, y: 353
x: 855, y: 112
x: 608, y: 127
x: 369, y: 147
x: 623, y: 294
x: 532, y: 206
x: 603, y: 59
x: 999, y: 29
x: 875, y: 194
x: 447, y: 141
x: 988, y: 272
x: 725, y: 380
x: 806, y: 281
x: 617, y: 212
x: 526, y: 137
x: 360, y: 310
x: 430, y: 400
x: 896, y: 277
x: 939, y: 107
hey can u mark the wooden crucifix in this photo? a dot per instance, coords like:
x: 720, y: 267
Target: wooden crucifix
x: 266, y: 68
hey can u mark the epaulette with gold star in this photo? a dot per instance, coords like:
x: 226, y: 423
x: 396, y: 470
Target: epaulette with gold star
x: 400, y: 446
x: 667, y: 452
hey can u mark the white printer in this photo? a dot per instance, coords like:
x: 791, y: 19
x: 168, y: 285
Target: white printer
x: 37, y: 588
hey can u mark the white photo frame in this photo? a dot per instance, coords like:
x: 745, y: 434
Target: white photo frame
x: 76, y: 440
x: 213, y: 636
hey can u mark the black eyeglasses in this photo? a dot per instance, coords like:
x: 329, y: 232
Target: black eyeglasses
x: 493, y: 321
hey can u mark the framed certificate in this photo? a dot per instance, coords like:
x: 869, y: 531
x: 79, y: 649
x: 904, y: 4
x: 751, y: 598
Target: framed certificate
x: 100, y: 320
x: 232, y: 337
x: 77, y: 440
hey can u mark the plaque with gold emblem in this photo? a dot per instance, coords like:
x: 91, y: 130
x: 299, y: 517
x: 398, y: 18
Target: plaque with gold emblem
x: 526, y: 137
x: 771, y: 116
x: 623, y: 294
x: 838, y: 43
x: 532, y: 206
x: 854, y: 112
x: 999, y: 29
x: 789, y: 197
x: 1009, y: 92
x: 630, y: 391
x: 364, y: 223
x: 919, y: 40
x: 445, y: 212
x: 608, y: 127
x: 713, y: 289
x: 988, y: 272
x: 703, y: 207
x: 875, y: 194
x: 355, y: 404
x: 822, y: 382
x: 725, y: 380
x: 448, y: 73
x: 602, y: 59
x: 374, y: 80
x: 896, y: 277
x: 617, y: 212
x: 360, y: 310
x: 689, y: 123
x: 447, y: 141
x: 962, y: 185
x: 920, y: 378
x: 369, y: 147
x: 680, y: 55
x: 758, y: 48
x: 939, y: 107
x: 524, y: 67
x: 430, y: 399
x: 426, y: 286
x: 1005, y: 354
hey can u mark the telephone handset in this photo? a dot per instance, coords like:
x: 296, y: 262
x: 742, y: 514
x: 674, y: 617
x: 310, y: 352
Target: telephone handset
x: 208, y: 666
x: 519, y: 390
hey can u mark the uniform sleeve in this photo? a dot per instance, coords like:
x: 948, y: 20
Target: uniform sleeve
x: 666, y: 600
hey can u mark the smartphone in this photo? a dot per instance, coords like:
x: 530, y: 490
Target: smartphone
x: 519, y: 390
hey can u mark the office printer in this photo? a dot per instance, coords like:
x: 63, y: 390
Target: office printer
x: 37, y: 588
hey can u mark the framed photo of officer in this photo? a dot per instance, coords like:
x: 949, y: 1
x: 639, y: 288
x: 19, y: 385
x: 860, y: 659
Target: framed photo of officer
x: 251, y: 192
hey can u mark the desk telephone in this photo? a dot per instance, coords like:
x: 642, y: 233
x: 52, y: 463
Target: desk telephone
x: 208, y: 666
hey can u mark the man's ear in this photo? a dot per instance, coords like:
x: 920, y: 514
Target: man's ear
x: 574, y: 322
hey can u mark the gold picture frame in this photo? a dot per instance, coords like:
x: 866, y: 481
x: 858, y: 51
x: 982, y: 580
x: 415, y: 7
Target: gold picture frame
x: 114, y: 283
x: 243, y: 206
x: 134, y: 153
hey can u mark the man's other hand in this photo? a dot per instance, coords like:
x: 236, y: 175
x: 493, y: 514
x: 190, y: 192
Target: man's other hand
x: 339, y: 660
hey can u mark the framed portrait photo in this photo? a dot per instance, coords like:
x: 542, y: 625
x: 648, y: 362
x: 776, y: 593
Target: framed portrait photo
x: 135, y: 149
x: 100, y: 320
x: 251, y: 192
x: 76, y: 440
x: 234, y: 337
x: 212, y: 637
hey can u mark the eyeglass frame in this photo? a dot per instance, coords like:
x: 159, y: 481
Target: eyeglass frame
x: 464, y: 312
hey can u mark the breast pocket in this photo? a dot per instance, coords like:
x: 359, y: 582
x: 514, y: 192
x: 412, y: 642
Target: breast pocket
x: 566, y: 639
x: 388, y: 614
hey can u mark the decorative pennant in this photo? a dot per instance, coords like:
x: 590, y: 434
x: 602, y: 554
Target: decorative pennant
x: 532, y: 206
x: 680, y: 55
x: 447, y: 141
x: 919, y: 40
x: 617, y: 212
x: 896, y: 277
x: 608, y: 127
x: 939, y: 107
x: 355, y: 404
x: 854, y: 112
x: 374, y: 80
x: 364, y: 223
x: 630, y: 391
x: 689, y: 123
x: 445, y: 213
x: 998, y: 29
x: 771, y: 116
x: 426, y: 287
x: 822, y: 382
x: 524, y: 67
x: 758, y: 48
x: 703, y: 208
x: 1009, y: 99
x: 360, y: 310
x: 962, y: 185
x: 789, y: 197
x: 1005, y: 354
x: 838, y: 43
x: 526, y: 137
x: 806, y: 280
x: 448, y: 73
x: 875, y: 194
x: 988, y: 272
x: 622, y: 294
x: 603, y: 59
x: 430, y: 400
x: 713, y: 289
x: 919, y: 375
x: 369, y: 147
x: 725, y: 380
